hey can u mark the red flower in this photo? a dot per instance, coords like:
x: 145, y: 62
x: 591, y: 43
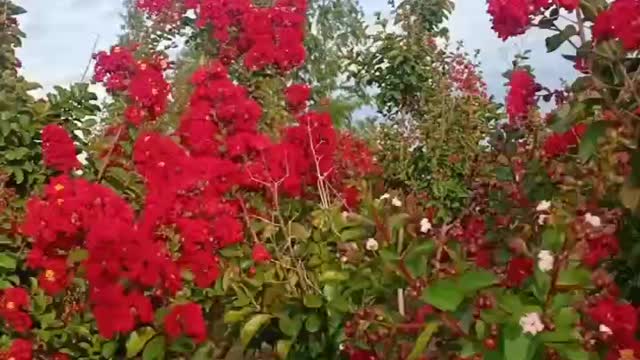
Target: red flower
x: 20, y: 349
x: 260, y: 254
x: 57, y: 149
x: 559, y: 143
x: 621, y: 319
x: 621, y: 22
x: 521, y: 96
x: 186, y: 319
x: 17, y: 320
x: 60, y: 356
x: 363, y: 355
x: 55, y: 278
x: 510, y: 17
x: 297, y: 96
x: 14, y: 299
x: 422, y: 313
x: 600, y: 248
x: 518, y: 270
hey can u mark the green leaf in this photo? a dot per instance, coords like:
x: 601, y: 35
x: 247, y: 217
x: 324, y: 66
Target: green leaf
x: 423, y: 341
x: 504, y: 173
x: 290, y: 326
x: 183, y: 345
x: 137, y: 340
x: 204, y: 352
x: 7, y: 261
x: 312, y: 301
x: 444, y: 294
x: 155, y: 349
x: 552, y: 239
x: 555, y: 41
x: 255, y: 324
x: 473, y: 281
x: 566, y: 317
x: 542, y: 285
x: 589, y: 142
x: 576, y: 276
x: 109, y: 349
x: 354, y: 234
x: 481, y: 329
x: 298, y: 231
x: 517, y: 345
x: 234, y: 316
x: 282, y: 348
x: 332, y: 275
x: 313, y: 323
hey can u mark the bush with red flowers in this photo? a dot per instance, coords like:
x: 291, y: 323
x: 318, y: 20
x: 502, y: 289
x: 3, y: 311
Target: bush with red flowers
x: 250, y: 226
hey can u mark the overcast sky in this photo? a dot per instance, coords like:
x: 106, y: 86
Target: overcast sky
x: 61, y: 34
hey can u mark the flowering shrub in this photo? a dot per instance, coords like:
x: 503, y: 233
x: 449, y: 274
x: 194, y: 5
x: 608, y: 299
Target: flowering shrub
x: 255, y: 227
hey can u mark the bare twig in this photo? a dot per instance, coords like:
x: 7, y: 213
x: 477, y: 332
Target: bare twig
x: 93, y: 50
x: 107, y: 159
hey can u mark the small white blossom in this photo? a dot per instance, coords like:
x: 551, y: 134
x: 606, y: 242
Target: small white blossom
x: 605, y: 329
x: 545, y: 260
x: 592, y: 219
x: 78, y: 172
x: 371, y: 244
x: 531, y: 323
x: 385, y: 196
x: 542, y: 219
x: 344, y: 259
x: 396, y: 202
x: 425, y: 225
x: 544, y: 205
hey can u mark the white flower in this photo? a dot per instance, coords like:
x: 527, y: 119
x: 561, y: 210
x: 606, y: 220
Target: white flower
x: 544, y: 205
x: 605, y: 329
x: 425, y: 225
x: 396, y: 202
x: 371, y: 244
x: 545, y: 260
x: 542, y: 219
x: 385, y: 196
x: 592, y: 219
x: 344, y: 259
x: 531, y: 323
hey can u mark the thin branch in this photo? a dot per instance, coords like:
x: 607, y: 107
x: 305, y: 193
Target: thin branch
x: 93, y: 51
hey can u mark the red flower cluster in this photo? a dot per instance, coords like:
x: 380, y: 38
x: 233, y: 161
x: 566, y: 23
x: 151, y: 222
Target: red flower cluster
x: 521, y: 96
x: 297, y: 96
x: 260, y: 254
x: 143, y: 81
x: 518, y: 270
x: 117, y: 252
x: 20, y: 349
x: 620, y: 21
x: 58, y: 150
x: 154, y: 7
x: 513, y: 17
x: 621, y: 320
x: 559, y: 143
x: 263, y: 36
x: 14, y: 303
x: 599, y: 248
x: 187, y: 320
x: 114, y: 68
x: 465, y: 77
